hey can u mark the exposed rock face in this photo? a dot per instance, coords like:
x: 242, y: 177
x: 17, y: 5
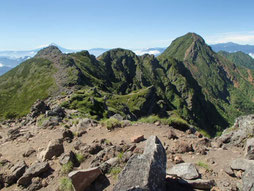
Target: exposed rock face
x: 249, y: 149
x: 146, y: 171
x: 82, y: 179
x: 184, y: 170
x: 33, y: 171
x: 55, y: 148
x: 241, y: 130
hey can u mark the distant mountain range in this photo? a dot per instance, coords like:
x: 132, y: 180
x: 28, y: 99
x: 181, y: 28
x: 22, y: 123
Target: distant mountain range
x: 233, y: 47
x: 10, y: 59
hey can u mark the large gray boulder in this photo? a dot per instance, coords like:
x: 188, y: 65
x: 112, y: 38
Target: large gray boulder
x: 187, y: 171
x: 145, y: 172
x: 249, y: 149
x: 248, y: 180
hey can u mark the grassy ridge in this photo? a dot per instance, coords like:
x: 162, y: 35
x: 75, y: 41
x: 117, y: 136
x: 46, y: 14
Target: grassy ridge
x: 23, y: 85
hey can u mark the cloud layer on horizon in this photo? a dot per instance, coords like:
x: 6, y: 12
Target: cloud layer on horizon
x: 240, y: 38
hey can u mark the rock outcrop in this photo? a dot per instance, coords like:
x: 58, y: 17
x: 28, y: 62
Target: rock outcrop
x: 146, y: 171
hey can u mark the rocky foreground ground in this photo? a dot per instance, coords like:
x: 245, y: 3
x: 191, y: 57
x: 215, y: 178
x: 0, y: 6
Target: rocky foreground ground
x: 46, y: 154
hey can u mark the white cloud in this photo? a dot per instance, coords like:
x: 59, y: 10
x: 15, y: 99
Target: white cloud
x: 141, y: 52
x: 252, y: 55
x: 241, y: 38
x: 1, y: 65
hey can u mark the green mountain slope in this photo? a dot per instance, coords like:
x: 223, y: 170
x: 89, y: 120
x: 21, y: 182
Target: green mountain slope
x: 188, y: 82
x: 22, y: 86
x: 239, y: 59
x: 228, y: 87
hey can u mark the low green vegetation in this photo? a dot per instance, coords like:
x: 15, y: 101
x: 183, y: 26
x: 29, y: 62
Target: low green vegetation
x: 174, y: 121
x: 120, y: 156
x: 115, y: 171
x: 239, y: 58
x: 203, y: 165
x: 65, y: 184
x: 80, y: 158
x: 112, y: 123
x: 66, y: 168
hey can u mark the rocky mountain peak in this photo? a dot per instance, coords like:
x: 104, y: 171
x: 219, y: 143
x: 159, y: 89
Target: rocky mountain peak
x: 49, y: 52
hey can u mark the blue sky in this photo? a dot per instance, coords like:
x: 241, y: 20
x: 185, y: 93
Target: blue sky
x: 85, y: 24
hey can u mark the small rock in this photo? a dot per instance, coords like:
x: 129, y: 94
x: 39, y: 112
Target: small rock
x: 38, y: 108
x: 199, y: 184
x: 82, y: 179
x: 78, y: 144
x: 198, y: 134
x: 118, y: 117
x: 35, y: 170
x: 186, y: 171
x: 67, y: 135
x: 157, y: 123
x: 239, y: 173
x: 68, y: 157
x: 44, y: 183
x: 94, y: 149
x: 182, y: 147
x: 55, y: 148
x: 35, y: 185
x: 229, y: 171
x: 137, y: 139
x: 172, y: 134
x: 178, y: 160
x: 28, y: 135
x: 29, y: 152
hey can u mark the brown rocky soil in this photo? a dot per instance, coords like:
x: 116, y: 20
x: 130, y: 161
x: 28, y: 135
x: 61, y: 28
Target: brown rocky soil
x: 209, y: 160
